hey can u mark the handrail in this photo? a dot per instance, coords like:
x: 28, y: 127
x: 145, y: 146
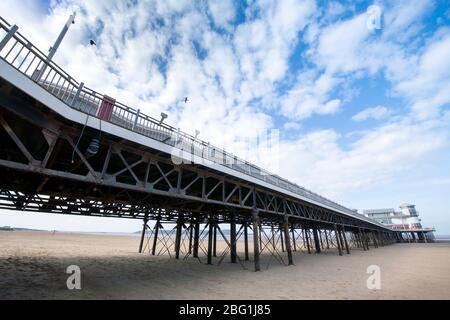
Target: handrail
x: 25, y: 57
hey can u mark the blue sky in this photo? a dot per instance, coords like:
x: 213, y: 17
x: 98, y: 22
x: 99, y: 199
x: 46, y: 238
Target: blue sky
x: 363, y: 114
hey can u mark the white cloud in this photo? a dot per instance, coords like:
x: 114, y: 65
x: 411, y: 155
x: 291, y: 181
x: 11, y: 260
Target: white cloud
x: 291, y: 126
x: 341, y: 45
x: 223, y: 13
x: 377, y: 113
x: 311, y: 95
x: 429, y: 89
x: 321, y: 164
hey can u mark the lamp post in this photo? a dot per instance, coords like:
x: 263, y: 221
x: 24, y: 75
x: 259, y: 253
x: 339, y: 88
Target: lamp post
x: 54, y: 48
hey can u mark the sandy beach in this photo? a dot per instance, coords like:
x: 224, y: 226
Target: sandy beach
x: 33, y: 265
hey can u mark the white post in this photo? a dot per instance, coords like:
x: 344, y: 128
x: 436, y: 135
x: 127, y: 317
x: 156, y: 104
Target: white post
x: 8, y: 36
x: 55, y: 47
x: 137, y: 118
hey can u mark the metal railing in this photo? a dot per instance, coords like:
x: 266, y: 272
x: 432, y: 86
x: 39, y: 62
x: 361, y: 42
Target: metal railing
x: 20, y: 53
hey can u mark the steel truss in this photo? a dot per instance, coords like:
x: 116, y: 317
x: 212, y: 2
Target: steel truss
x: 46, y: 167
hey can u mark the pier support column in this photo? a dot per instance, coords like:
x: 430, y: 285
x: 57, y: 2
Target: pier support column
x: 196, y: 236
x: 281, y: 227
x: 246, y: 241
x: 320, y: 239
x: 360, y: 239
x: 155, y: 236
x: 287, y: 240
x: 180, y: 223
x: 374, y: 236
x: 233, y: 252
x: 272, y: 230
x: 326, y: 239
x: 316, y: 240
x: 345, y: 240
x: 215, y: 240
x: 144, y: 228
x: 366, y: 240
x: 336, y: 232
x: 191, y: 234
x: 293, y: 238
x: 256, y: 239
x: 210, y: 238
x: 307, y: 240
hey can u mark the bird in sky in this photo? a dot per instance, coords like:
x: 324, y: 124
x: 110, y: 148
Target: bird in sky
x: 186, y: 100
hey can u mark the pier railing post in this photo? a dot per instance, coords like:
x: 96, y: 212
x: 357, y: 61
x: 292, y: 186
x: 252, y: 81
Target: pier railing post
x: 8, y: 36
x: 256, y: 239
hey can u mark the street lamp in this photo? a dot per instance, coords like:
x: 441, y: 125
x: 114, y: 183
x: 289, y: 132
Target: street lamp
x: 163, y: 117
x: 51, y: 52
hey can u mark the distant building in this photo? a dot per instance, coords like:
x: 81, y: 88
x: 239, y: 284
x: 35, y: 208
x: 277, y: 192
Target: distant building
x: 406, y: 220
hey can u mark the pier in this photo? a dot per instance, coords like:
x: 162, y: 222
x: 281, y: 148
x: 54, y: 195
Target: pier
x: 67, y: 149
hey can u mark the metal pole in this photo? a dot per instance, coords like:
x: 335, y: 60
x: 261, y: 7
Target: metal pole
x: 320, y: 238
x: 191, y: 227
x: 281, y: 237
x: 144, y: 228
x: 178, y: 236
x: 345, y: 240
x: 215, y: 240
x: 155, y: 237
x: 361, y: 239
x: 293, y: 238
x: 210, y: 238
x: 375, y: 242
x: 366, y: 240
x: 196, y: 236
x: 54, y: 48
x: 307, y: 240
x: 233, y: 252
x: 246, y: 241
x: 273, y: 236
x: 256, y: 239
x: 288, y: 241
x: 336, y: 232
x: 8, y: 36
x: 316, y: 240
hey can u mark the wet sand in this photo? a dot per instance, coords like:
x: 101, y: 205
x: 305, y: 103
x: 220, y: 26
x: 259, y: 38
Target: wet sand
x: 33, y: 265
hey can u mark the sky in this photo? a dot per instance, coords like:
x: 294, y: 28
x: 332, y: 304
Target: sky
x: 361, y: 104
